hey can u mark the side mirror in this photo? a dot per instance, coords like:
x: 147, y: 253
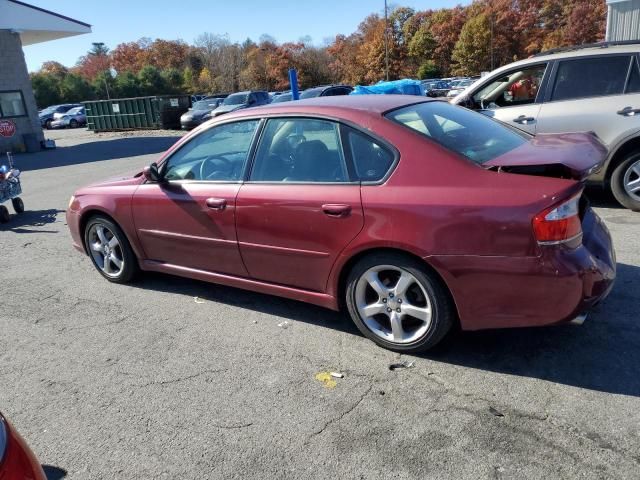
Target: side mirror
x: 151, y: 173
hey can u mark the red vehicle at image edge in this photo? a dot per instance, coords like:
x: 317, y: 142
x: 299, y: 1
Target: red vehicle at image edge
x: 17, y: 461
x: 414, y: 215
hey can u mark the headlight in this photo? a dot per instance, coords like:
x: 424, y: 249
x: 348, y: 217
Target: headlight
x: 71, y: 200
x: 3, y: 438
x: 206, y: 116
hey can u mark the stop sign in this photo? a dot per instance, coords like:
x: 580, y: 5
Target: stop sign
x: 7, y: 128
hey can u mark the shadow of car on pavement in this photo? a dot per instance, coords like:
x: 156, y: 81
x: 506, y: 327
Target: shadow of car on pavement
x: 602, y: 355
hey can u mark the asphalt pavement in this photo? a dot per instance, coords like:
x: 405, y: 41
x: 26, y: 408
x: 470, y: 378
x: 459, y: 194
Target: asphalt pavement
x: 173, y: 378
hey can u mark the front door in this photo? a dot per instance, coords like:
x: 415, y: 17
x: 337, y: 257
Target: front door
x: 513, y: 97
x: 189, y: 218
x: 301, y: 207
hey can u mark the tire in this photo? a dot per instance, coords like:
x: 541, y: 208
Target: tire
x: 73, y: 123
x: 18, y: 204
x: 402, y: 284
x: 47, y: 124
x: 122, y: 265
x: 4, y: 214
x: 625, y: 182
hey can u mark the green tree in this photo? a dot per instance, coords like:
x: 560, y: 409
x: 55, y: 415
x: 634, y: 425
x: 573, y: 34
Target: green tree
x: 471, y: 55
x: 151, y: 81
x: 46, y: 88
x: 172, y: 79
x: 74, y: 88
x: 101, y: 83
x: 188, y: 81
x: 428, y: 70
x: 126, y: 85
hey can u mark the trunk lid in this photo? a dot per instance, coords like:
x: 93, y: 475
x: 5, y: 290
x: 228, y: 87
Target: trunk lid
x: 565, y: 155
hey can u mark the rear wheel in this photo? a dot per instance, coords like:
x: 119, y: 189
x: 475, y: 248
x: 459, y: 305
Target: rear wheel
x: 625, y: 182
x: 110, y: 250
x: 47, y: 124
x: 18, y: 204
x: 396, y: 302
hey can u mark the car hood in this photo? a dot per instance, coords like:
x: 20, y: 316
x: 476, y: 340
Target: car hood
x: 132, y: 178
x: 563, y: 155
x: 228, y: 108
x: 195, y: 113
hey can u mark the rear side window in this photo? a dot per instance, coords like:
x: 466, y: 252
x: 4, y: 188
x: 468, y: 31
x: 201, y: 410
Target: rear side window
x: 591, y: 77
x: 462, y: 131
x: 370, y: 159
x: 633, y: 86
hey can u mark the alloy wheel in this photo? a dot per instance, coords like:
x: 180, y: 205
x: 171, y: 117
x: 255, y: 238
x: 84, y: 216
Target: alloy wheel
x: 393, y: 304
x: 631, y: 180
x: 106, y: 250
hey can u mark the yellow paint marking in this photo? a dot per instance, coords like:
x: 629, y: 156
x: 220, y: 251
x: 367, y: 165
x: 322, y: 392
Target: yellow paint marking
x: 326, y: 379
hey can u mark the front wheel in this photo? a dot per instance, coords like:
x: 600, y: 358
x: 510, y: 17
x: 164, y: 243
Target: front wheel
x: 5, y: 216
x: 110, y: 250
x: 73, y: 123
x: 47, y: 124
x: 396, y: 302
x: 625, y: 182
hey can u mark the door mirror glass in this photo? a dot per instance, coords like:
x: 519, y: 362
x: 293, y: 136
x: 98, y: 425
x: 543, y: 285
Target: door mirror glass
x: 508, y: 96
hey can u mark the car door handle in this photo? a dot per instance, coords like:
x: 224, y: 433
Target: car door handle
x: 216, y: 203
x: 628, y: 111
x: 334, y: 210
x: 523, y: 119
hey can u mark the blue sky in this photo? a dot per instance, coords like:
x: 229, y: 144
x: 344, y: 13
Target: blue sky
x: 117, y: 21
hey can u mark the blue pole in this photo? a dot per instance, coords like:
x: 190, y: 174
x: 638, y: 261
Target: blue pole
x: 293, y: 81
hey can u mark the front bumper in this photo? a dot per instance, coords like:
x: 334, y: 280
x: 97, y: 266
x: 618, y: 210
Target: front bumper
x: 73, y: 222
x: 190, y: 124
x: 19, y: 461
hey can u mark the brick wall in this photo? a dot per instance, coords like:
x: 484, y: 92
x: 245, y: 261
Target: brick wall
x: 14, y: 76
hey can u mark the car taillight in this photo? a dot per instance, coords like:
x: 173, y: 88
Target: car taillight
x: 558, y: 223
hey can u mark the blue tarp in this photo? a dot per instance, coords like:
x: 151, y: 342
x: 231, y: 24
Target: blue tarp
x: 397, y: 87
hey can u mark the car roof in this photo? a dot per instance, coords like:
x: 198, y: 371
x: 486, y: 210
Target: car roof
x: 371, y: 104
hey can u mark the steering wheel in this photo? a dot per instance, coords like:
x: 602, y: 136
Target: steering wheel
x: 210, y: 159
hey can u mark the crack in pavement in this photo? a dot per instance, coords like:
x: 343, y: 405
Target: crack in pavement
x: 182, y: 379
x: 233, y: 427
x: 339, y: 417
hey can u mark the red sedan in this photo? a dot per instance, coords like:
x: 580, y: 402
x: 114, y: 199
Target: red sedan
x: 17, y: 461
x: 412, y: 214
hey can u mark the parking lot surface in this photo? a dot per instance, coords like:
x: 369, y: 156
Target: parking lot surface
x: 174, y: 378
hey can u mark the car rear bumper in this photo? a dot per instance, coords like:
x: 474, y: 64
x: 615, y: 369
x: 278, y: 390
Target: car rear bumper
x: 556, y: 287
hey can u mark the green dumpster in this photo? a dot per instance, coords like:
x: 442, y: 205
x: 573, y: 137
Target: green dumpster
x: 160, y: 111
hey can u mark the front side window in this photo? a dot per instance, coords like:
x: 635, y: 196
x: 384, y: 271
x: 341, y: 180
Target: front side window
x: 463, y: 131
x: 520, y: 87
x: 300, y: 150
x: 12, y: 104
x: 217, y: 154
x: 591, y: 77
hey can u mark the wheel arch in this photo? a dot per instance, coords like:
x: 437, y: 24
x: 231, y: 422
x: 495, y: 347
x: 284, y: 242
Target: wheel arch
x: 341, y: 284
x: 91, y: 212
x: 629, y: 146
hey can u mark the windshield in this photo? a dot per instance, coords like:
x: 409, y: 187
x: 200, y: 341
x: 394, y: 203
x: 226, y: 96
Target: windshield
x: 311, y: 93
x: 236, y: 99
x: 463, y: 131
x: 75, y: 111
x: 49, y: 109
x: 205, y: 105
x: 285, y: 97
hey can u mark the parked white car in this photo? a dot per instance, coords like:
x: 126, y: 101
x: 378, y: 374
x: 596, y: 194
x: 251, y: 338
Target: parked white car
x: 591, y: 88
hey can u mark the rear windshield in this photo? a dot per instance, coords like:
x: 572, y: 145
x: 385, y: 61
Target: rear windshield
x: 468, y: 133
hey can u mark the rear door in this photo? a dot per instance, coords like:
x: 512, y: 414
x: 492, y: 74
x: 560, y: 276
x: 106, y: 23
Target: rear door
x: 597, y: 93
x: 300, y: 207
x: 514, y: 97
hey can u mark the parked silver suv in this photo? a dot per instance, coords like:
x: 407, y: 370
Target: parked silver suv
x: 590, y: 88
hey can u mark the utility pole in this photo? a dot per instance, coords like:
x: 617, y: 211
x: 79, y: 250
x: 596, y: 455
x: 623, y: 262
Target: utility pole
x: 491, y: 45
x: 386, y: 41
